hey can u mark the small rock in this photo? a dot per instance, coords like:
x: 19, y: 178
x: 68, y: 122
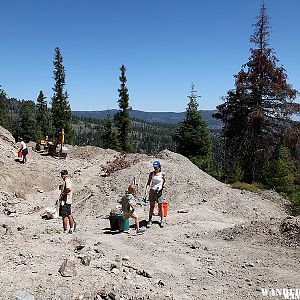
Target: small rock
x: 8, y: 229
x: 249, y: 265
x: 182, y: 211
x: 22, y: 295
x: 228, y: 238
x: 67, y: 269
x: 8, y: 211
x: 86, y: 260
x: 144, y: 273
x: 114, y: 266
x: 112, y: 295
x: 115, y: 271
x: 160, y: 283
x: 101, y: 295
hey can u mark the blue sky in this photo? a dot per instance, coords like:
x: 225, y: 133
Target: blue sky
x: 164, y: 44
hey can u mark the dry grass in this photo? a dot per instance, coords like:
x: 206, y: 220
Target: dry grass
x: 254, y: 187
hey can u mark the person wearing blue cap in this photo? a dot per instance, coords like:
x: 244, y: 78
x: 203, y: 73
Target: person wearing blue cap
x: 154, y: 189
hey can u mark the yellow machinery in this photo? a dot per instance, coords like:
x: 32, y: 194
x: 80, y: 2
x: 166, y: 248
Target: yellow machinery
x: 55, y: 148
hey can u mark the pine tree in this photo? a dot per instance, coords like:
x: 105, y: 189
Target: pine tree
x: 260, y: 104
x: 42, y: 117
x: 192, y: 137
x: 109, y: 136
x: 27, y: 121
x: 122, y: 118
x: 3, y: 109
x: 61, y: 110
x: 283, y: 177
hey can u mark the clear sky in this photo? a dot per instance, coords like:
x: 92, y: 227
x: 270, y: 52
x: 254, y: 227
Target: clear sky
x: 164, y: 44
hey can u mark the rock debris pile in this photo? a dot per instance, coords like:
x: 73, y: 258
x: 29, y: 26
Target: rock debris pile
x: 218, y: 243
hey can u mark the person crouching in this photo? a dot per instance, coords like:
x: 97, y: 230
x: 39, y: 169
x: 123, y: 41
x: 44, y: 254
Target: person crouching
x: 128, y: 209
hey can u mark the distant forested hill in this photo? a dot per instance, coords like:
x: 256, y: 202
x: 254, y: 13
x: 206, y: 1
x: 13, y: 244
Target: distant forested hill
x: 152, y: 117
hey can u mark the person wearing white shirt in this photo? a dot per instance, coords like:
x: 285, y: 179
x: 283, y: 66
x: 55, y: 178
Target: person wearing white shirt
x: 24, y: 151
x: 154, y: 189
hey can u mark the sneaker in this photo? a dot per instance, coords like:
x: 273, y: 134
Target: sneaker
x: 72, y: 229
x: 149, y: 224
x: 161, y: 224
x: 66, y: 231
x: 140, y: 231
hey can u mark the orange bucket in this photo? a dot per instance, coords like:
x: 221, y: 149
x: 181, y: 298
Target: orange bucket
x: 165, y: 206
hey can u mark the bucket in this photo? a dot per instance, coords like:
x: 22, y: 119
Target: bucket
x: 20, y: 154
x: 115, y: 221
x: 114, y: 224
x: 165, y: 206
x: 126, y: 224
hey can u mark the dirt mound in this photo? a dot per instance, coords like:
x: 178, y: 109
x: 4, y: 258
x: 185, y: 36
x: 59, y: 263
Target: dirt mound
x: 274, y: 231
x: 290, y: 229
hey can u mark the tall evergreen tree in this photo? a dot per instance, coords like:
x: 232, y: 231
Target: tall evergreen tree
x: 27, y: 121
x: 192, y: 137
x: 122, y: 118
x: 260, y: 104
x: 42, y: 116
x: 61, y: 110
x: 3, y: 109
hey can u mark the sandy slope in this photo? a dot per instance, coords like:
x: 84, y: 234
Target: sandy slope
x: 219, y: 243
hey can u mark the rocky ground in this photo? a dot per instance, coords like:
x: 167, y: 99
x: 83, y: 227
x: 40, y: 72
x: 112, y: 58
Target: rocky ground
x: 218, y: 242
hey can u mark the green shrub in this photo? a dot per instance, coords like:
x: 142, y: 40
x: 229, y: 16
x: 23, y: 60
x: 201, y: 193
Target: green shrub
x: 295, y: 200
x: 238, y: 173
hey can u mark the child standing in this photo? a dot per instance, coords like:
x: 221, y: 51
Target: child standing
x: 65, y: 201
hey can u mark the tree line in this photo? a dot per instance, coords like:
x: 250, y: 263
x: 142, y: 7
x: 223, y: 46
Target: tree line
x: 145, y: 137
x: 258, y: 144
x: 32, y: 121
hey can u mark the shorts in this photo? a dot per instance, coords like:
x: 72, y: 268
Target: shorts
x: 65, y: 210
x: 127, y: 215
x: 155, y: 196
x: 25, y: 152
